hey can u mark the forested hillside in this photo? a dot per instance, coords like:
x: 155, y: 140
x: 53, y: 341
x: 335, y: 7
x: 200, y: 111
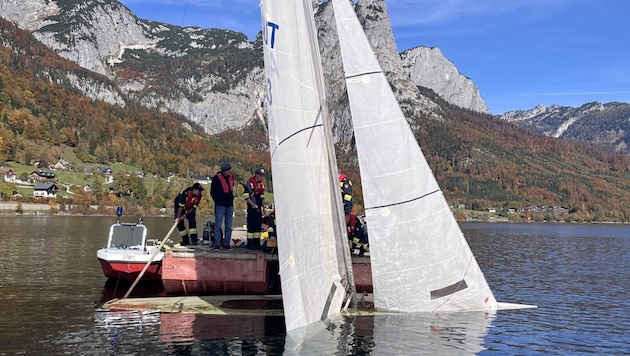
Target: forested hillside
x: 483, y: 162
x: 40, y: 113
x: 479, y: 161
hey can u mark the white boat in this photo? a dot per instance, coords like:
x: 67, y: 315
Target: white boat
x: 420, y: 259
x: 128, y: 251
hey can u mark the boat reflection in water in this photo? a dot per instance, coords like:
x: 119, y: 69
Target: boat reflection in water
x: 265, y: 318
x: 399, y: 334
x: 116, y: 289
x: 262, y: 330
x: 393, y: 334
x: 248, y: 325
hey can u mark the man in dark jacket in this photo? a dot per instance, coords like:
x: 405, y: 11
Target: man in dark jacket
x: 346, y: 192
x: 185, y: 206
x: 222, y: 192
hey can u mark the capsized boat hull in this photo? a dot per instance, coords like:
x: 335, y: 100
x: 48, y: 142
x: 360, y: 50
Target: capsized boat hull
x: 246, y: 305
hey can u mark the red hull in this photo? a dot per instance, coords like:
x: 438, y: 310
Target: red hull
x: 130, y: 271
x: 238, y: 271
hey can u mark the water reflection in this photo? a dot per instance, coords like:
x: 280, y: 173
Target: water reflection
x: 51, y: 286
x: 399, y: 334
x: 116, y: 289
x: 393, y: 334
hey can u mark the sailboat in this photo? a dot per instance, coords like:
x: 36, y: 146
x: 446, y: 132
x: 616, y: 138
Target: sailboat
x: 420, y: 259
x: 314, y: 260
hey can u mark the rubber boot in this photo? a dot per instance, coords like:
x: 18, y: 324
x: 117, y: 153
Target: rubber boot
x: 250, y: 244
x: 193, y: 239
x: 256, y: 243
x: 185, y: 240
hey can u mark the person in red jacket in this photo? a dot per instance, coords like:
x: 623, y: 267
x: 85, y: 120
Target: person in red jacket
x: 185, y: 207
x: 254, y: 195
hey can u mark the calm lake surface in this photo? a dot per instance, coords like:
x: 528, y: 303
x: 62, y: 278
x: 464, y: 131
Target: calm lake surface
x: 51, y: 287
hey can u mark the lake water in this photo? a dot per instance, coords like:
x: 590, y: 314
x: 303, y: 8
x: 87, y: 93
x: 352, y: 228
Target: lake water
x: 51, y: 287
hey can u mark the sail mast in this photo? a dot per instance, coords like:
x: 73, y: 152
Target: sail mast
x: 338, y: 218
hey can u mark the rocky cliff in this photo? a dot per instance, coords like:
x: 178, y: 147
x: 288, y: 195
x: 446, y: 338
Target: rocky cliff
x: 214, y: 77
x: 428, y: 67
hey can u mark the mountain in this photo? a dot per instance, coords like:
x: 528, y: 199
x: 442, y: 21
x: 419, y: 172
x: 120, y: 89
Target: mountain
x: 170, y: 68
x: 212, y: 77
x: 605, y: 125
x: 44, y: 117
x: 141, y: 103
x: 428, y: 68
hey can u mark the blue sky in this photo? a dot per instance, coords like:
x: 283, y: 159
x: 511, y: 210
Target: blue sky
x: 520, y: 53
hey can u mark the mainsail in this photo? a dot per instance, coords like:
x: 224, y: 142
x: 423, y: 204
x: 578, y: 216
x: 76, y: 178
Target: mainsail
x: 420, y: 259
x: 315, y: 268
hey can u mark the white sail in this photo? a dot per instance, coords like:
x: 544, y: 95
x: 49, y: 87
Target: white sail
x: 420, y: 259
x: 314, y: 275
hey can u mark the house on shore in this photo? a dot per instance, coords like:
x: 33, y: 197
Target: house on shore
x: 42, y: 176
x: 9, y: 176
x: 107, y: 173
x: 45, y: 190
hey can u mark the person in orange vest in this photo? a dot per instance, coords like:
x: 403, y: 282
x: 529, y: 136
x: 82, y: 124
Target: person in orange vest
x: 346, y: 192
x: 254, y: 195
x: 222, y: 192
x: 185, y: 206
x: 357, y: 233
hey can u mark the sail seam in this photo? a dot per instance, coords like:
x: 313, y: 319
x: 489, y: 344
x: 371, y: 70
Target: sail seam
x: 403, y: 202
x: 362, y: 74
x: 295, y: 133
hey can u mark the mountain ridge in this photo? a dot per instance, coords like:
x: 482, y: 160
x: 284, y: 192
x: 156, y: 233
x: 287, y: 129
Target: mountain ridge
x: 145, y: 57
x: 605, y: 125
x: 479, y: 160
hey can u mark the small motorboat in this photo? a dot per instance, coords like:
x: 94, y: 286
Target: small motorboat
x: 128, y: 251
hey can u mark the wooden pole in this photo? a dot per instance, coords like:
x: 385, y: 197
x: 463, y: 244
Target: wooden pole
x: 155, y: 252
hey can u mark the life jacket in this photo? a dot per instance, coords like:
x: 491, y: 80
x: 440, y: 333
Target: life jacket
x: 191, y: 200
x: 259, y: 187
x: 224, y: 183
x: 352, y: 225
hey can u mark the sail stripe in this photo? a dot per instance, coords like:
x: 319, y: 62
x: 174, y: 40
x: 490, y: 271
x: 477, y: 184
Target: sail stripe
x: 453, y: 288
x: 402, y: 202
x: 325, y: 311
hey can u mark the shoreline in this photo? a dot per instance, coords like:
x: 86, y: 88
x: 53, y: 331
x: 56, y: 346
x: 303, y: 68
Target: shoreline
x: 34, y: 209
